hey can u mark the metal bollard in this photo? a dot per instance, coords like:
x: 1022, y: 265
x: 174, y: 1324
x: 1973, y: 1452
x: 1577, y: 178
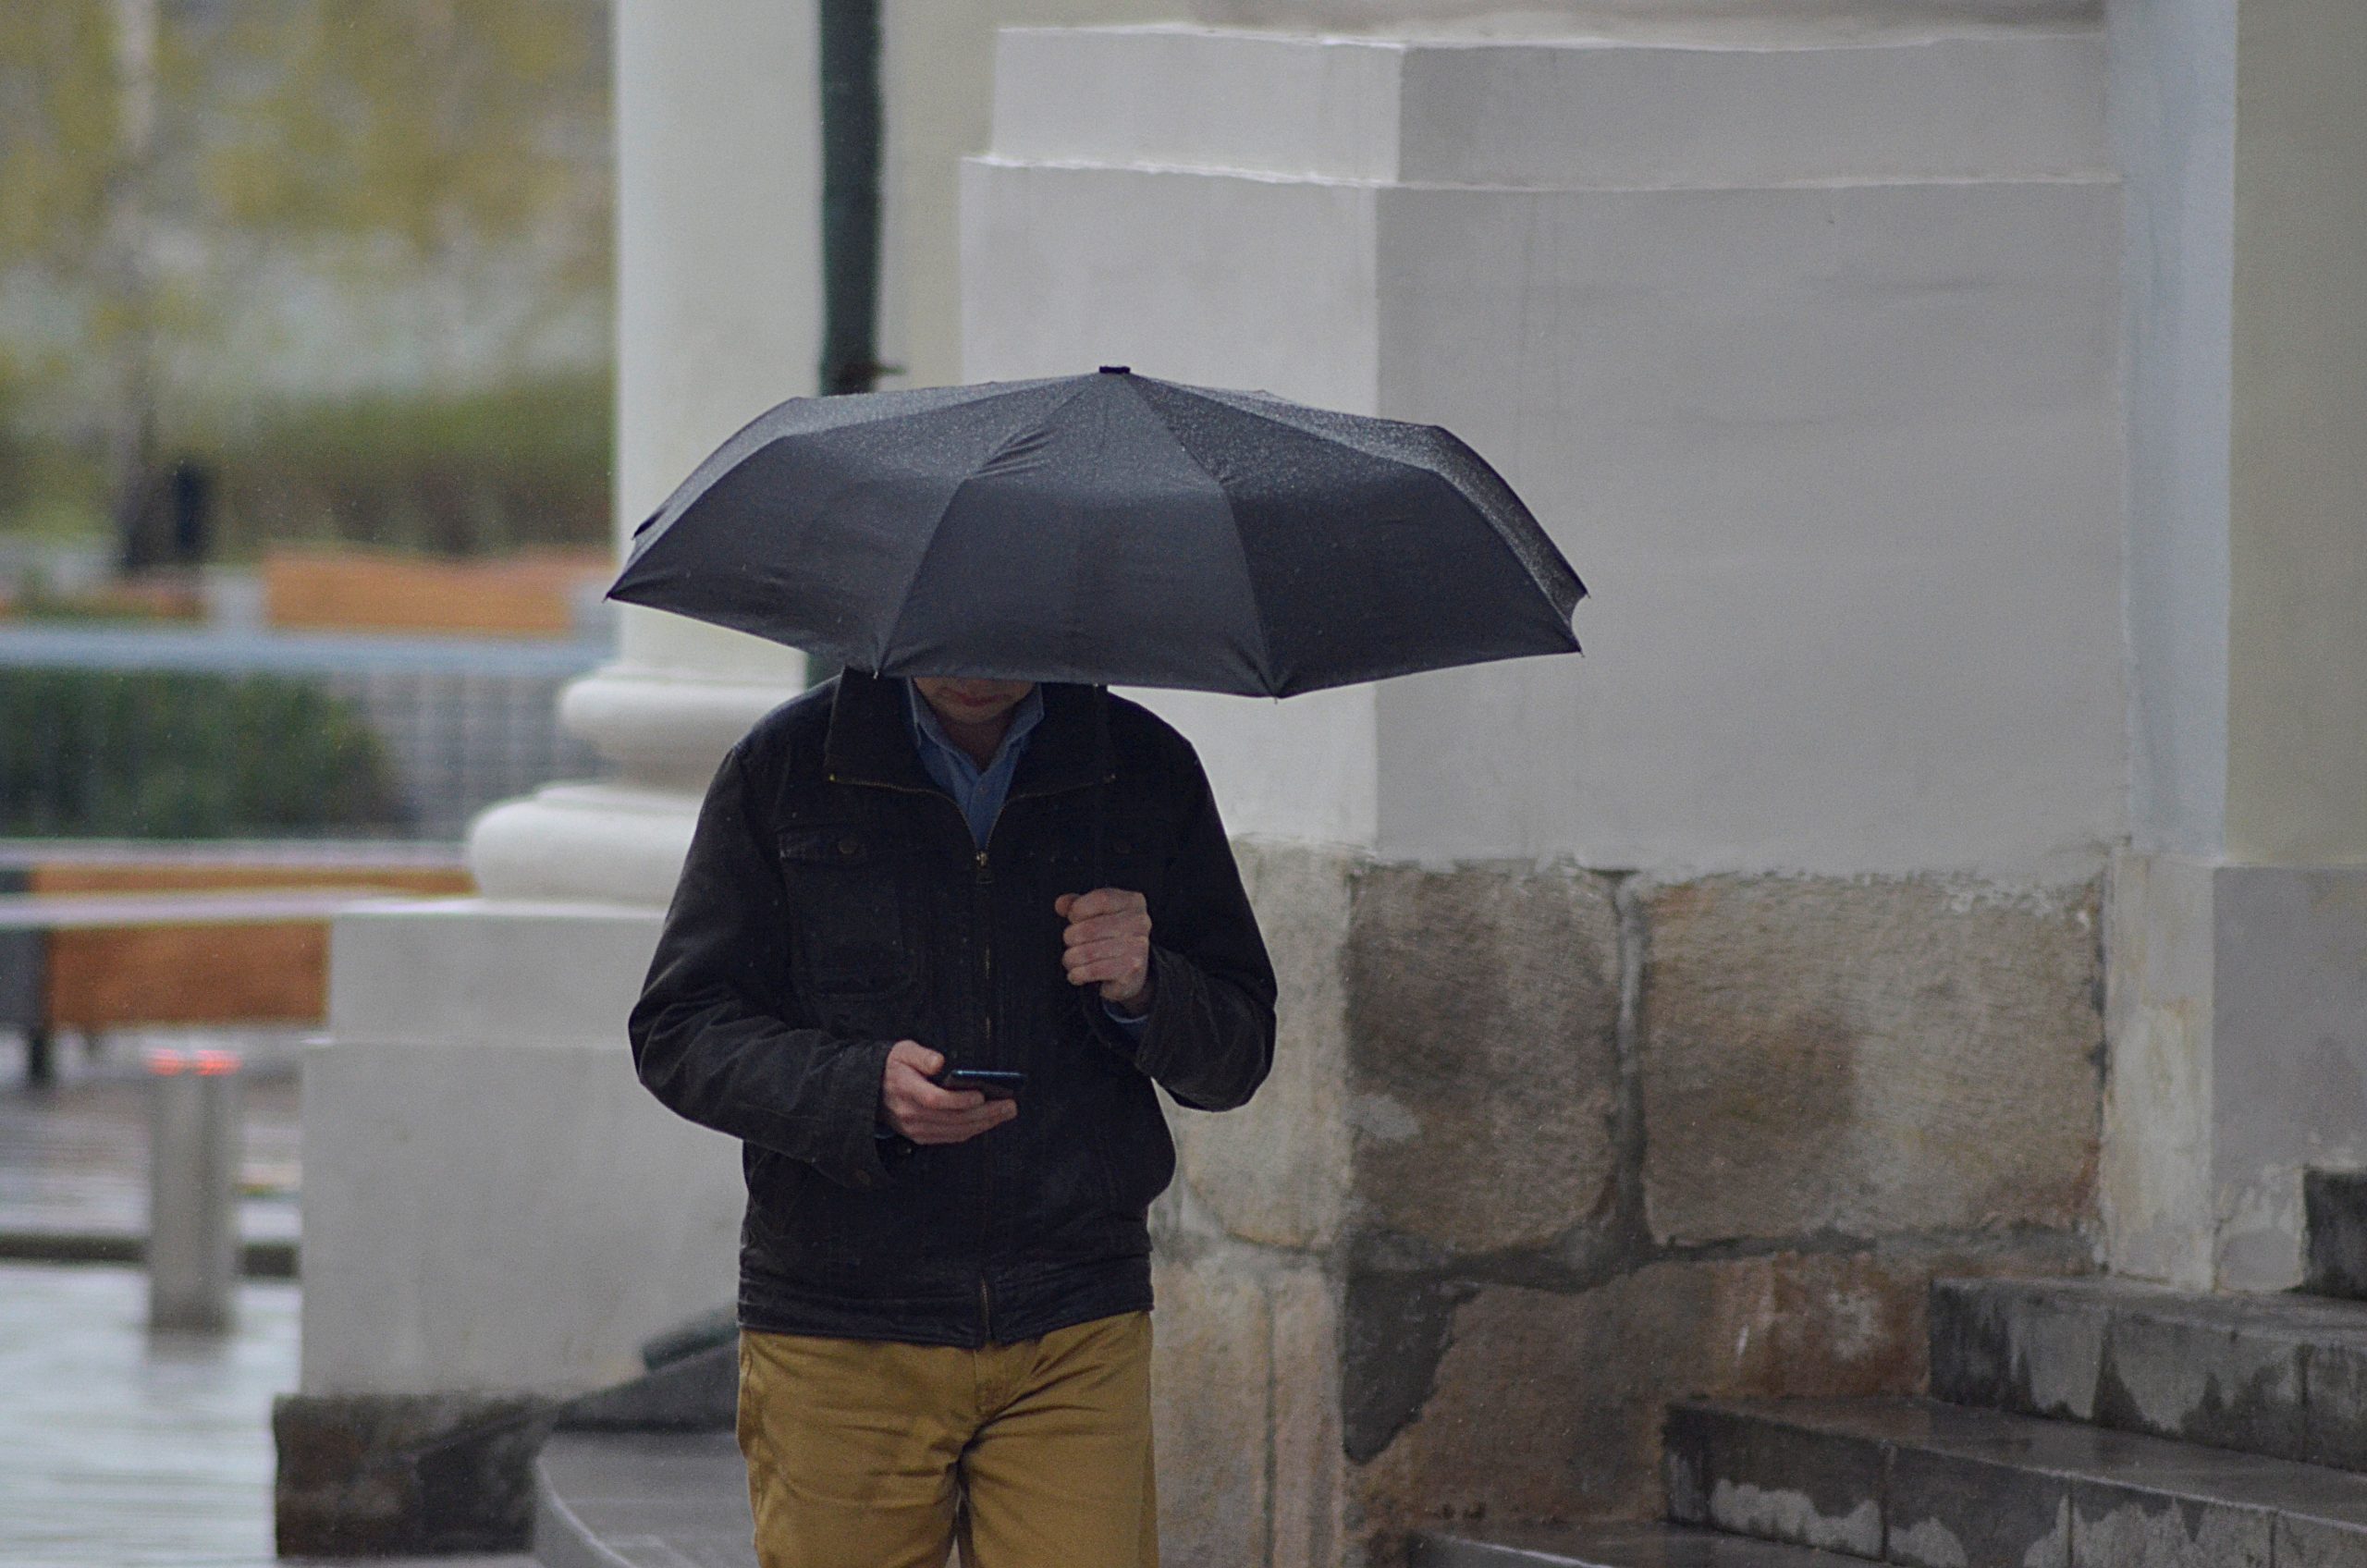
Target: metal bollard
x: 195, y: 1142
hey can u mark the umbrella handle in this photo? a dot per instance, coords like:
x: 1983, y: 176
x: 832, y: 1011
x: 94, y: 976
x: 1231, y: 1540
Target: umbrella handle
x: 1101, y: 816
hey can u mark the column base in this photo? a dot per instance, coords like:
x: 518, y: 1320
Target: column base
x: 2237, y: 1040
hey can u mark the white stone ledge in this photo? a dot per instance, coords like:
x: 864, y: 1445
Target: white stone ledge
x: 1555, y: 113
x: 466, y: 969
x: 1329, y: 182
x: 1248, y: 102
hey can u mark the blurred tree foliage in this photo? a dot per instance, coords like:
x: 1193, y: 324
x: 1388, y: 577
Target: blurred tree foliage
x: 79, y: 84
x: 444, y: 159
x: 439, y: 134
x: 465, y: 474
x: 174, y: 754
x: 58, y: 152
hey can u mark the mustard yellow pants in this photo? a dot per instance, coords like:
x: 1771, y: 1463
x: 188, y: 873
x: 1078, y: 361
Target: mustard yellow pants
x: 864, y: 1455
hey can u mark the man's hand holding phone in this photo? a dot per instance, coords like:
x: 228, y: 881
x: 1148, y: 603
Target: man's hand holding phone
x: 925, y: 1112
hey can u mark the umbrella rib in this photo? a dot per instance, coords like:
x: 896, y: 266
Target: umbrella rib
x: 920, y: 561
x: 757, y: 434
x: 1556, y: 563
x: 1240, y: 550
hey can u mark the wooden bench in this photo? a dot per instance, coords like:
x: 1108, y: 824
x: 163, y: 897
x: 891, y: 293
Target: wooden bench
x: 109, y: 936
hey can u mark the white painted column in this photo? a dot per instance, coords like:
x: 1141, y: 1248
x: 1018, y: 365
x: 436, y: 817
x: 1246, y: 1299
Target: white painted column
x: 2239, y: 1016
x: 492, y: 1203
x: 718, y: 284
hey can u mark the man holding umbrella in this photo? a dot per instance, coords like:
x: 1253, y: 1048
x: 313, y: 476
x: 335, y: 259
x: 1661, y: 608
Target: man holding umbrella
x: 942, y: 927
x: 945, y: 1296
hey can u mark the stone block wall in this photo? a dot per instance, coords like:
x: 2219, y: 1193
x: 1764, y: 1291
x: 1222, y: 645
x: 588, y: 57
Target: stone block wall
x: 1546, y: 1148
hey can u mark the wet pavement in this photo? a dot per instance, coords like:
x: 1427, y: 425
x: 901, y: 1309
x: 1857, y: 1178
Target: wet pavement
x: 120, y: 1449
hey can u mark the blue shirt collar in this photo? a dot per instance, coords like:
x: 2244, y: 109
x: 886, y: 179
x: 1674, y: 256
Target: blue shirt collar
x: 929, y: 732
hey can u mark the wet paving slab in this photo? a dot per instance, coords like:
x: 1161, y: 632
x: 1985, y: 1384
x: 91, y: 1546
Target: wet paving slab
x: 122, y: 1448
x: 119, y: 1448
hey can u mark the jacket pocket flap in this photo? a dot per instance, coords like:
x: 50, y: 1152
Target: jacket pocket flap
x: 848, y: 844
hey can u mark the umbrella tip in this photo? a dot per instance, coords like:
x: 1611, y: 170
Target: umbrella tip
x: 1117, y: 370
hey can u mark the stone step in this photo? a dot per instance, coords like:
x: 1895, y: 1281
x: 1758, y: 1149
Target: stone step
x: 1927, y: 1485
x: 1607, y: 1546
x: 2334, y: 1208
x: 2279, y: 1375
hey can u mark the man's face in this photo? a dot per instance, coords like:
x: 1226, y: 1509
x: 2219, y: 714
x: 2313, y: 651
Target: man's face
x: 958, y: 699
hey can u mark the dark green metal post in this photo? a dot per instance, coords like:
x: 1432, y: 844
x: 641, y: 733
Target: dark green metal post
x: 851, y: 121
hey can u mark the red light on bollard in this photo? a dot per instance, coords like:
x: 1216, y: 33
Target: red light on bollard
x: 193, y: 1159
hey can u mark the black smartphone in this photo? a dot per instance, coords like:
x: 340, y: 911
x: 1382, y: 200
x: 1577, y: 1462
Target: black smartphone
x: 995, y: 1083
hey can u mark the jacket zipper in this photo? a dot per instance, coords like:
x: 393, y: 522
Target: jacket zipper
x: 983, y: 915
x: 982, y: 912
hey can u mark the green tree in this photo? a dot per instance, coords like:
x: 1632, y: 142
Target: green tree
x: 80, y: 82
x: 431, y: 150
x: 459, y: 133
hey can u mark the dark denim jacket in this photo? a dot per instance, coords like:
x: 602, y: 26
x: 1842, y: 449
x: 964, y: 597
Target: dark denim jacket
x: 833, y: 903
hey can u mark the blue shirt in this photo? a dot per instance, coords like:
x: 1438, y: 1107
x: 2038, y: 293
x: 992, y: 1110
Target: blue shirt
x: 980, y: 792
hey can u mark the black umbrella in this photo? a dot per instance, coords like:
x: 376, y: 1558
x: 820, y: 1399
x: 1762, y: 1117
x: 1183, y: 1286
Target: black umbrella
x: 1111, y: 529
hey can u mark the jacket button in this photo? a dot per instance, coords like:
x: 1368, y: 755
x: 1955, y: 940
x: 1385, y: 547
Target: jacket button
x: 848, y: 846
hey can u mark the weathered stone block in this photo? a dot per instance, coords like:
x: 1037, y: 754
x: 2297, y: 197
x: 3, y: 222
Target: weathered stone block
x: 2279, y: 1375
x: 1276, y: 1171
x: 1211, y: 1384
x: 1868, y: 1057
x: 387, y: 1474
x: 1733, y: 1472
x: 2127, y: 1526
x: 1308, y: 1466
x: 1483, y: 1007
x: 2154, y: 1185
x: 2334, y: 1423
x: 698, y: 1392
x: 2204, y: 1373
x: 2031, y: 1346
x: 1948, y: 1510
x: 1549, y: 1405
x: 2334, y: 1207
x: 2304, y: 1541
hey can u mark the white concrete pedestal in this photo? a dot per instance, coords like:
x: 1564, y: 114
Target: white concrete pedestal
x: 491, y: 1201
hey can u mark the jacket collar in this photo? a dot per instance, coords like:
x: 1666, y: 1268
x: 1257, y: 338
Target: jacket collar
x: 870, y: 742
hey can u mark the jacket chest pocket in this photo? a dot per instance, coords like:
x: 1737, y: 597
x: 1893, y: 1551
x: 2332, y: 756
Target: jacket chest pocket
x: 850, y: 910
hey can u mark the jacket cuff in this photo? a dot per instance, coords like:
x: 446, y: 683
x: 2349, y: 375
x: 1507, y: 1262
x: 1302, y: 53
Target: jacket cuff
x: 1127, y: 1036
x: 862, y: 1160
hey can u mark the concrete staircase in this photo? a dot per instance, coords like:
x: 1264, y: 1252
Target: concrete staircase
x: 2074, y: 1424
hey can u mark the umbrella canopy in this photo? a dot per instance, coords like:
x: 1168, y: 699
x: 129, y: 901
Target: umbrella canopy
x: 1107, y: 529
